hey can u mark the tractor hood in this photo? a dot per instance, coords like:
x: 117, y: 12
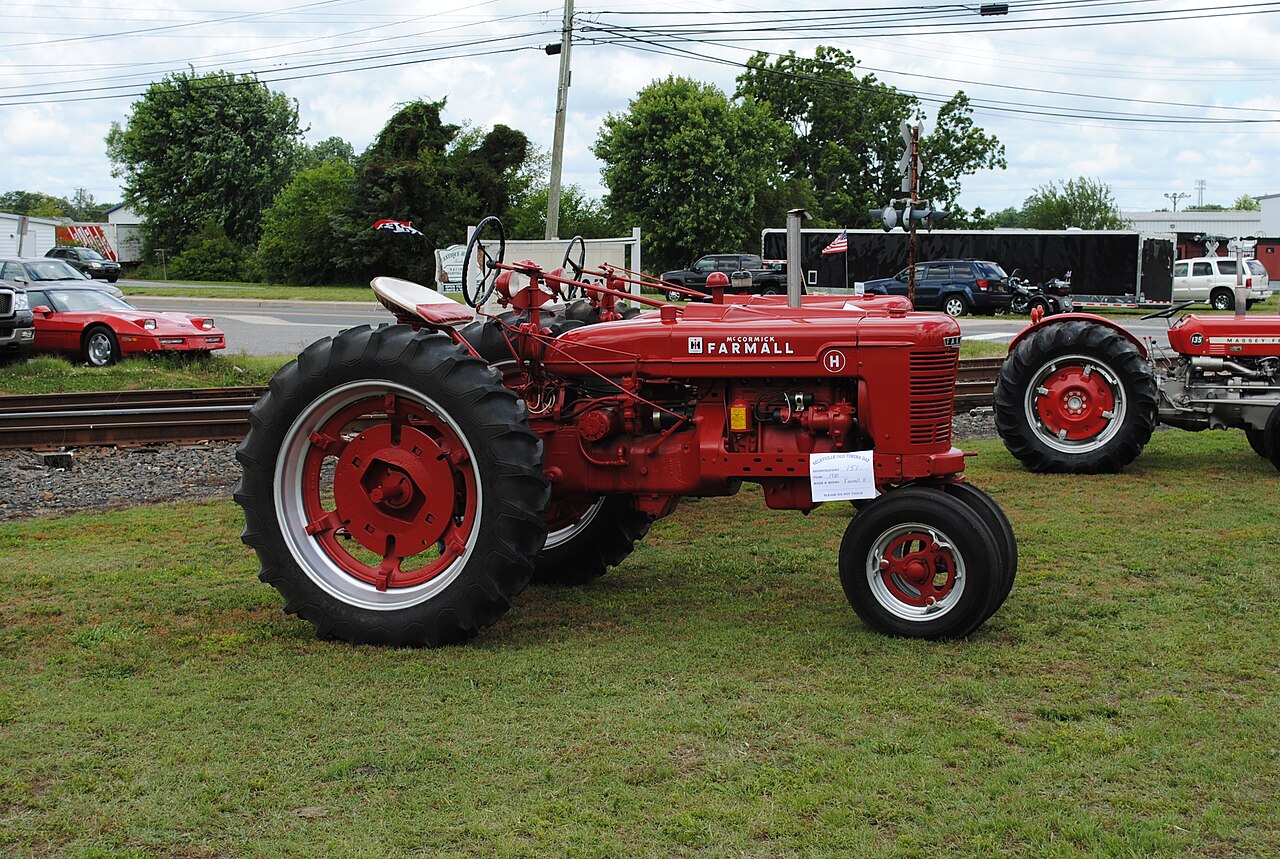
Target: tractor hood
x: 1226, y: 336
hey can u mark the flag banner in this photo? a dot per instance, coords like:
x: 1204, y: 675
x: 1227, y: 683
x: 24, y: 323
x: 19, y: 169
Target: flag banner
x: 839, y: 246
x: 396, y: 226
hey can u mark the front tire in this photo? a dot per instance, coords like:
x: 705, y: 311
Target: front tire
x: 99, y: 347
x: 1075, y: 397
x: 921, y: 564
x: 392, y: 489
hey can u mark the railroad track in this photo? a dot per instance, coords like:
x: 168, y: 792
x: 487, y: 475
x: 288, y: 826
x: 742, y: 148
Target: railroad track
x: 189, y: 416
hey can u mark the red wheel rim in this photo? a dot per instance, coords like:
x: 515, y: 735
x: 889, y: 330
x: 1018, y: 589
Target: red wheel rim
x: 403, y: 491
x: 1076, y: 402
x: 917, y: 569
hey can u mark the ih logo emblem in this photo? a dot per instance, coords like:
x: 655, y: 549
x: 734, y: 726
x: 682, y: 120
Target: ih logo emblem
x: 695, y: 345
x: 833, y: 361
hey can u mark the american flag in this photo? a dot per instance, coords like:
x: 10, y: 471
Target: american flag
x: 839, y: 246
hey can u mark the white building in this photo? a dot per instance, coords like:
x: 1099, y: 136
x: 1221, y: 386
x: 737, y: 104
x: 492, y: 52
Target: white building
x: 38, y: 237
x: 124, y: 230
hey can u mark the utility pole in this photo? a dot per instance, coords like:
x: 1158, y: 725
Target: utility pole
x: 1200, y: 192
x: 1175, y: 197
x: 562, y: 106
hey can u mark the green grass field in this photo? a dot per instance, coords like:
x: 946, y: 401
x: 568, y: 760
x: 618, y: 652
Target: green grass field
x: 715, y: 696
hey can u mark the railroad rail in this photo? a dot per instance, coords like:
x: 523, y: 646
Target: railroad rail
x: 193, y: 415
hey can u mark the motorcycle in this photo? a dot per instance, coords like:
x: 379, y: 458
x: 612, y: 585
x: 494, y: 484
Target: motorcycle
x: 1054, y: 295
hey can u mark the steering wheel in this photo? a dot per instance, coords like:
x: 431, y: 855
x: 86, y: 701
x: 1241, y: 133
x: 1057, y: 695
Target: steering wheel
x: 487, y: 277
x: 575, y: 266
x: 1169, y: 311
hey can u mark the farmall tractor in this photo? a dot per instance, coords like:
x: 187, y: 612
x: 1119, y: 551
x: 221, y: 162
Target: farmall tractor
x: 402, y: 483
x: 1078, y: 393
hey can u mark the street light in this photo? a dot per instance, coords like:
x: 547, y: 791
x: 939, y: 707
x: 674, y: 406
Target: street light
x: 1175, y: 197
x: 988, y: 9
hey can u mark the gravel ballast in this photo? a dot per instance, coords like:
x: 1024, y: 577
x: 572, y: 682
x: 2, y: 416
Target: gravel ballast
x: 103, y: 478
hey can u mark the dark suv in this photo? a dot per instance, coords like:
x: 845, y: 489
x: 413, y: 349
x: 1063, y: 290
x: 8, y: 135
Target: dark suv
x: 88, y: 261
x: 954, y: 286
x: 765, y: 279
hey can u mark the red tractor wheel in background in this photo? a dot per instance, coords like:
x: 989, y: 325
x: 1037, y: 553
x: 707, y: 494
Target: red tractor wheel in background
x: 392, y: 489
x: 920, y: 563
x: 583, y: 541
x: 1077, y: 397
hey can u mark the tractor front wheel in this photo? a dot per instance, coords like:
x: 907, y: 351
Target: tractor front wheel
x: 1075, y: 397
x: 392, y: 489
x: 919, y: 563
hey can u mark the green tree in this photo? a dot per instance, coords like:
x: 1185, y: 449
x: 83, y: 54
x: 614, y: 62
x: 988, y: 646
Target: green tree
x: 304, y: 225
x: 198, y: 148
x: 34, y: 204
x: 434, y: 174
x: 579, y: 215
x: 1082, y: 202
x: 1008, y: 217
x: 846, y: 140
x: 209, y: 254
x: 1245, y: 203
x: 329, y: 149
x: 694, y: 170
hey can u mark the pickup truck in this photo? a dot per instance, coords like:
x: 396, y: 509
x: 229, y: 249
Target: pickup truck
x: 765, y: 280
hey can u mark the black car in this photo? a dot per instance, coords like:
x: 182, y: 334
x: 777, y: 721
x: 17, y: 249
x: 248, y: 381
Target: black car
x: 88, y: 261
x: 954, y: 286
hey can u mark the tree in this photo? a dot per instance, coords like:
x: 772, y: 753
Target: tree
x: 694, y: 170
x: 34, y: 204
x: 846, y: 139
x: 304, y: 225
x: 1083, y: 203
x: 329, y: 149
x: 205, y: 148
x: 1245, y: 203
x: 579, y: 215
x: 441, y: 178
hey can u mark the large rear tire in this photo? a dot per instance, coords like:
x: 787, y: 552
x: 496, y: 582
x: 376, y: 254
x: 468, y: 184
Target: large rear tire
x: 392, y: 489
x: 582, y: 544
x: 918, y: 563
x: 1075, y: 397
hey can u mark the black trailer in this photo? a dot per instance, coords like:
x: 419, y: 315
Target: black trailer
x: 1108, y: 267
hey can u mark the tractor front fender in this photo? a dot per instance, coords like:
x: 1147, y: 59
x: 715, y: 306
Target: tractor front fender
x: 1059, y: 318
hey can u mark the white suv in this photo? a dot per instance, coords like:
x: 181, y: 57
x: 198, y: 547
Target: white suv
x: 1213, y: 279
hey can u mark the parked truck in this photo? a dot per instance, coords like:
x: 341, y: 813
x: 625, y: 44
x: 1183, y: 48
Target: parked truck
x: 1108, y: 267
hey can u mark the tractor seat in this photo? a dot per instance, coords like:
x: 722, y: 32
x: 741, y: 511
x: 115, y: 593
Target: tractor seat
x: 404, y: 296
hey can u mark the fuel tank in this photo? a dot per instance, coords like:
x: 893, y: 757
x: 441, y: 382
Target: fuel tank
x: 1227, y: 336
x: 821, y: 339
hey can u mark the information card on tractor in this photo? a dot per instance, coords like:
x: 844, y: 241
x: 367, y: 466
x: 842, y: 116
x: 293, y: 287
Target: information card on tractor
x: 843, y: 476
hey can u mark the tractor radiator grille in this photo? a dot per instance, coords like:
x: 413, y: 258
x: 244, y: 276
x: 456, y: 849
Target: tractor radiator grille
x: 932, y: 390
x: 6, y: 303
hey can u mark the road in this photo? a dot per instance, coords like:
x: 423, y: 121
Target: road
x: 286, y: 327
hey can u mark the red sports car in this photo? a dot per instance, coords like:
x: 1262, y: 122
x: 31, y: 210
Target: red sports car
x: 100, y: 329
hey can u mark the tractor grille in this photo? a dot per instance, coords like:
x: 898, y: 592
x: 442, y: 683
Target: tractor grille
x: 6, y: 303
x: 932, y: 389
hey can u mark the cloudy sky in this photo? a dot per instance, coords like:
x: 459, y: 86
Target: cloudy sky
x: 1149, y: 96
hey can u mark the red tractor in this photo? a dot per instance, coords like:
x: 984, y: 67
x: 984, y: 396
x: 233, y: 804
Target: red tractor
x: 402, y: 483
x: 1080, y: 394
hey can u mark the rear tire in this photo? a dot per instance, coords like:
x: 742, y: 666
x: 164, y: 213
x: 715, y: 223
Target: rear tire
x: 583, y: 548
x: 954, y: 306
x: 919, y: 563
x: 1222, y: 299
x: 1075, y: 397
x: 1272, y: 442
x: 392, y: 489
x: 1258, y: 441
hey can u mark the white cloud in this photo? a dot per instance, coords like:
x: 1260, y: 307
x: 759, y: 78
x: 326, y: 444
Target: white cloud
x: 56, y: 146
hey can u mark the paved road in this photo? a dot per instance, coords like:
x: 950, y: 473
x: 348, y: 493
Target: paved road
x: 286, y: 327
